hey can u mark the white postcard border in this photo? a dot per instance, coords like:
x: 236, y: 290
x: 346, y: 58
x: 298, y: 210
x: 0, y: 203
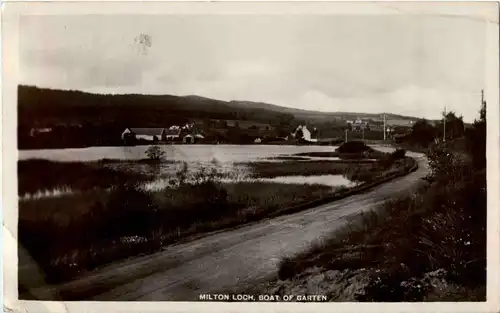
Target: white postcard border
x: 483, y: 11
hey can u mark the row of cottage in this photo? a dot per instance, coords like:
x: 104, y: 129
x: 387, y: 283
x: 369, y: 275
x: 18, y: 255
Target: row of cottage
x: 186, y: 134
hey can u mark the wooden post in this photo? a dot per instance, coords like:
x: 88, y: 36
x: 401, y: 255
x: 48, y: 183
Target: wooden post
x: 444, y: 125
x: 385, y: 128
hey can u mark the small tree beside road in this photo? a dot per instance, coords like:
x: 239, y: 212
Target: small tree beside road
x: 155, y: 153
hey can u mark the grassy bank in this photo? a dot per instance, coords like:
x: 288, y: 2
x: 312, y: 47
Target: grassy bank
x: 428, y: 246
x: 73, y: 233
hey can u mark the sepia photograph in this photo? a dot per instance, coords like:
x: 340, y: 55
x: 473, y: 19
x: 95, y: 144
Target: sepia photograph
x: 278, y: 156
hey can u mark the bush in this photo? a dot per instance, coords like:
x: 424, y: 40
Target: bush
x: 388, y: 159
x: 353, y: 147
x: 398, y: 154
x: 287, y: 268
x: 155, y: 153
x: 446, y: 166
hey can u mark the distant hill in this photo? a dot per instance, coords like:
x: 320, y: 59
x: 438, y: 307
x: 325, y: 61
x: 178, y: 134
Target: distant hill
x: 317, y: 115
x: 38, y: 106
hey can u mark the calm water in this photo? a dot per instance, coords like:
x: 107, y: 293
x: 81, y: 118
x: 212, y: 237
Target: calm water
x: 327, y: 180
x: 188, y: 153
x: 197, y: 156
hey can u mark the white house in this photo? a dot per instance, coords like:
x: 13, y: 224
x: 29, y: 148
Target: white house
x: 306, y: 134
x: 358, y: 124
x: 35, y: 131
x: 152, y: 134
x: 188, y: 139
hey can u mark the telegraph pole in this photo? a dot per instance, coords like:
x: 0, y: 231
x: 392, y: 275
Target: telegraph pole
x: 384, y: 126
x: 444, y: 125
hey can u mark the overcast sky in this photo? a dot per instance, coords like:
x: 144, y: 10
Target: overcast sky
x: 406, y: 64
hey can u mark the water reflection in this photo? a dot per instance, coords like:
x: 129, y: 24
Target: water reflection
x: 327, y: 180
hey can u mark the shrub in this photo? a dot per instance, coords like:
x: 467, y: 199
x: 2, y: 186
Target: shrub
x: 446, y: 166
x: 398, y: 154
x: 287, y: 268
x: 353, y: 147
x: 155, y: 153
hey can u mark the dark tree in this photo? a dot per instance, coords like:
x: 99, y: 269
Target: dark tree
x: 476, y: 139
x: 422, y: 133
x: 454, y: 126
x: 299, y: 134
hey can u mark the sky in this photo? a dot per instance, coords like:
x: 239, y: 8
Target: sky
x: 403, y: 64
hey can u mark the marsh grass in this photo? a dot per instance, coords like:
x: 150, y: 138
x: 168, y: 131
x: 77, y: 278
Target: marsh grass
x: 71, y: 234
x: 305, y: 168
x: 37, y: 177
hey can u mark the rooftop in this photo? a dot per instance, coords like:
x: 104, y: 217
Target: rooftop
x: 155, y: 131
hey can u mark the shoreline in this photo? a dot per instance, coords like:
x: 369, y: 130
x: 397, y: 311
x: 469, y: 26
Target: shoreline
x: 311, y: 144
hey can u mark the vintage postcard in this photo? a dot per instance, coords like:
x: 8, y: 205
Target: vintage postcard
x: 250, y: 156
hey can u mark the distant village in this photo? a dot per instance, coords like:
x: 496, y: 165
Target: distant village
x: 246, y: 132
x: 192, y: 133
x: 188, y: 134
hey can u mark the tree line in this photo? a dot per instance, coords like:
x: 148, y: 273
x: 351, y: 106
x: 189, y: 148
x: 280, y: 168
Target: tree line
x: 81, y: 119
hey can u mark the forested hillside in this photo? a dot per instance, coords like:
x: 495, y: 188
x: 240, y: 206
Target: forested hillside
x: 79, y: 119
x: 46, y: 107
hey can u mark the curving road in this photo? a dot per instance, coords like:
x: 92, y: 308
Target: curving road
x: 229, y: 260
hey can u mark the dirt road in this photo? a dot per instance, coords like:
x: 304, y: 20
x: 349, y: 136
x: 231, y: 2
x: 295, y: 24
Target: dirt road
x: 226, y: 261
